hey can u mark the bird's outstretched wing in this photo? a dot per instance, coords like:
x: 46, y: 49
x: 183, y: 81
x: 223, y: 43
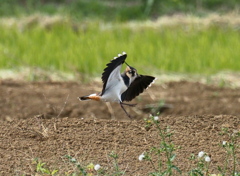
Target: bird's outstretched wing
x: 113, y: 68
x: 137, y: 86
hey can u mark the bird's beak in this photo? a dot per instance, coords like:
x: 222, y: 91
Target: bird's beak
x: 127, y: 64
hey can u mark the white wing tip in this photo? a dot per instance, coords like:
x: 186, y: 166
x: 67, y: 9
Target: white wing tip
x: 154, y: 80
x: 152, y: 83
x: 119, y: 55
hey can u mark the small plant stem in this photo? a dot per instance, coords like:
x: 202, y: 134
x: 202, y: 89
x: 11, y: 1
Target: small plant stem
x: 226, y: 163
x: 169, y: 166
x: 64, y: 105
x: 234, y: 158
x: 207, y: 168
x: 116, y: 165
x: 159, y: 163
x: 153, y: 165
x: 161, y: 133
x: 168, y: 154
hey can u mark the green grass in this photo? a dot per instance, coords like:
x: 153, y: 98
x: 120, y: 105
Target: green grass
x: 88, y: 47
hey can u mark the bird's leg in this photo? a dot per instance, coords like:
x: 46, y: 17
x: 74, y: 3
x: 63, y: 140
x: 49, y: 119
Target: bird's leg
x: 121, y: 104
x: 132, y: 105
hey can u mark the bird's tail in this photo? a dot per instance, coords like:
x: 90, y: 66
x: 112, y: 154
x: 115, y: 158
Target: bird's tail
x: 90, y: 97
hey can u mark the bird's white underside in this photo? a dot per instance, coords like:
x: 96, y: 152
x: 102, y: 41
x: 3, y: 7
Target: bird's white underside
x: 115, y: 87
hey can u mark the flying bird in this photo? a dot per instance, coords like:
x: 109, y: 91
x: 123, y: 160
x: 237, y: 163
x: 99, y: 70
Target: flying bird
x: 119, y: 87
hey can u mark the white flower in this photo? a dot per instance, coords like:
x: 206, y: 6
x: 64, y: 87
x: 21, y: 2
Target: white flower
x: 200, y: 154
x: 224, y: 143
x: 207, y: 159
x: 155, y: 118
x: 141, y: 157
x: 97, y: 167
x: 73, y: 160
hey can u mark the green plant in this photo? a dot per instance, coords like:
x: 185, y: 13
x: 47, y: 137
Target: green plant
x: 203, y: 162
x: 77, y: 164
x: 231, y: 150
x: 41, y: 168
x: 117, y: 171
x: 89, y: 170
x: 164, y: 151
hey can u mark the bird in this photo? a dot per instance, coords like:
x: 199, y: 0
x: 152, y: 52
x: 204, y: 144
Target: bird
x: 119, y: 87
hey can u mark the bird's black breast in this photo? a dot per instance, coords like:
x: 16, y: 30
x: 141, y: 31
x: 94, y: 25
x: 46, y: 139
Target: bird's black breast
x: 126, y: 79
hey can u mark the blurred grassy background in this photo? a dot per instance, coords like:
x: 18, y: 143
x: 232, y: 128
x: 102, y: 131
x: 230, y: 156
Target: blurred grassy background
x: 83, y: 35
x: 115, y: 10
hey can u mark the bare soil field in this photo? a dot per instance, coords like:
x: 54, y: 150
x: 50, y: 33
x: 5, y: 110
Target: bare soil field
x: 45, y: 120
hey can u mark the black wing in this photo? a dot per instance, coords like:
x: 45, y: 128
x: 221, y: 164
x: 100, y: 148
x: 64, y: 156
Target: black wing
x: 137, y: 86
x: 111, y: 66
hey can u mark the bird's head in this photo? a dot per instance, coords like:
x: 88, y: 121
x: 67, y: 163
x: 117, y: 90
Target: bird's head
x: 131, y: 73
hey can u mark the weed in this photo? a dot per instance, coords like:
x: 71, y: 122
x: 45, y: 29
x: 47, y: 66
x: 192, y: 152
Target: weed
x: 231, y: 150
x: 80, y: 168
x: 41, y: 168
x: 117, y: 171
x: 89, y: 170
x: 203, y: 162
x: 165, y: 150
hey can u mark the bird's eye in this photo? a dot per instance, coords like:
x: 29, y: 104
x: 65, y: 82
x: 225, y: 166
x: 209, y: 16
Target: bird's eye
x: 131, y: 72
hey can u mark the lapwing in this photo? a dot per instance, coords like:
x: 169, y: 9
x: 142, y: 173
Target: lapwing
x: 119, y: 87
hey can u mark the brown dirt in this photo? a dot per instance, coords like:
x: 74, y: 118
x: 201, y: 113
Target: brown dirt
x: 46, y: 120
